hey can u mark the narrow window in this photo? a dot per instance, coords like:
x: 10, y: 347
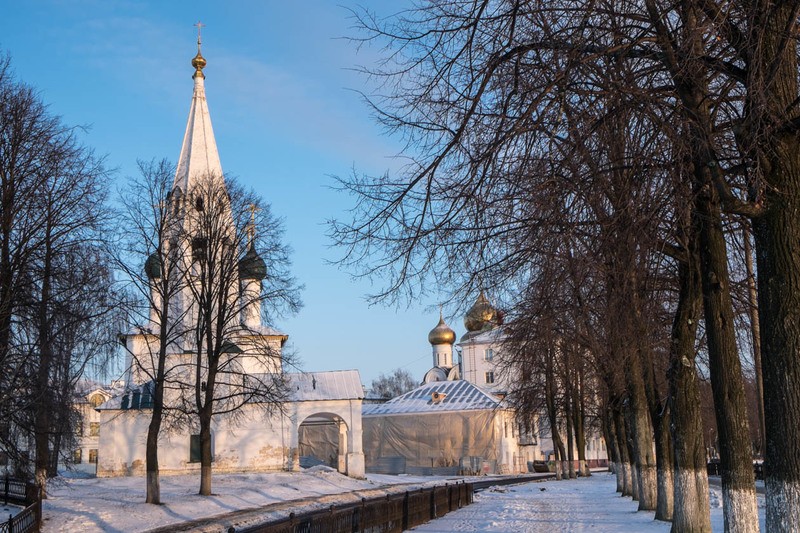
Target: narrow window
x: 94, y: 429
x: 488, y: 354
x: 77, y: 456
x: 490, y: 377
x: 93, y: 456
x: 194, y: 448
x: 199, y: 245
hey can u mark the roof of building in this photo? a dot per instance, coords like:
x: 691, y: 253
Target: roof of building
x: 490, y: 336
x: 302, y: 387
x: 436, y: 397
x: 334, y: 385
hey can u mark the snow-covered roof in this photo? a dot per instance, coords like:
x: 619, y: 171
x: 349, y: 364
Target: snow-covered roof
x: 334, y: 385
x: 436, y: 397
x: 491, y: 336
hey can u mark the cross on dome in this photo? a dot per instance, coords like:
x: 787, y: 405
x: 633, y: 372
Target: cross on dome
x: 199, y: 26
x: 251, y: 228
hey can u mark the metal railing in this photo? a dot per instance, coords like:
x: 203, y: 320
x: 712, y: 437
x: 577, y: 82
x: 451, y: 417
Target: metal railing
x: 389, y: 514
x: 22, y: 493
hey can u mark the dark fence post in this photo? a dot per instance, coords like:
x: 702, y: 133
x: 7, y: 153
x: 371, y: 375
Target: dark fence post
x: 39, y: 514
x: 405, y: 511
x: 433, y: 502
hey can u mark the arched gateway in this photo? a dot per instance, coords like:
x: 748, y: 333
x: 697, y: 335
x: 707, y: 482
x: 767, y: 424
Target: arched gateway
x: 326, y: 421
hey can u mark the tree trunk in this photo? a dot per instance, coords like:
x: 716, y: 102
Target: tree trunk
x: 642, y: 436
x: 659, y: 414
x: 755, y: 333
x: 568, y: 426
x: 664, y: 459
x: 610, y: 436
x: 577, y: 422
x: 777, y: 238
x: 153, y: 484
x: 736, y: 459
x: 205, y: 452
x: 626, y: 461
x: 552, y: 413
x: 42, y: 421
x: 691, y: 509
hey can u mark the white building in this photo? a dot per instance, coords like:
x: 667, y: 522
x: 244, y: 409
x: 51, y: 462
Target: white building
x: 320, y: 404
x: 479, y: 363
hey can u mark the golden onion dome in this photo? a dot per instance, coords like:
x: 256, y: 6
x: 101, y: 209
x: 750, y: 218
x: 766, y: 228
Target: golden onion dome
x: 482, y: 315
x: 441, y: 334
x: 199, y: 63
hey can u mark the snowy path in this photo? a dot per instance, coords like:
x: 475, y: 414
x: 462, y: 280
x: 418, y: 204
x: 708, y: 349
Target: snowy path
x: 588, y: 504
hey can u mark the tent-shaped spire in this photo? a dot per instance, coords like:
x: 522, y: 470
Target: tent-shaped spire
x: 199, y: 156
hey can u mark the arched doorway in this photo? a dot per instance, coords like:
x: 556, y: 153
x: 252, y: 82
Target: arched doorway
x: 322, y: 440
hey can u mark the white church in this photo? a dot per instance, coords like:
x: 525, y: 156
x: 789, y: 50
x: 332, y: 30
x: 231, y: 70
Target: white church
x: 323, y: 409
x: 456, y: 422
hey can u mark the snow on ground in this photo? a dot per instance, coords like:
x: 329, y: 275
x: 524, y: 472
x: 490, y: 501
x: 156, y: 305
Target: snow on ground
x: 117, y: 504
x: 564, y: 506
x: 8, y: 510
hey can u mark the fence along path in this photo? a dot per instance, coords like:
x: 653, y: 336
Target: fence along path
x: 358, y: 511
x: 22, y: 493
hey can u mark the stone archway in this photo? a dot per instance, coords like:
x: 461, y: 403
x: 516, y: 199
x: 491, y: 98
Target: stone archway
x: 322, y: 439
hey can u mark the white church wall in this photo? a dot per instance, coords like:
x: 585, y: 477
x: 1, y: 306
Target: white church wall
x: 254, y: 442
x: 249, y: 442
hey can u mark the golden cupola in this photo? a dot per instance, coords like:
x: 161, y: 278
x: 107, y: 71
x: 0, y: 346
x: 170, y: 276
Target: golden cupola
x: 441, y: 334
x: 482, y: 315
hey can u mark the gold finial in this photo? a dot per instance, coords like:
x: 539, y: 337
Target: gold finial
x: 251, y: 227
x: 199, y: 62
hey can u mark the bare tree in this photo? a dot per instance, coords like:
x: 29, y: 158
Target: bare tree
x: 56, y: 279
x: 398, y: 382
x: 224, y: 292
x: 152, y: 262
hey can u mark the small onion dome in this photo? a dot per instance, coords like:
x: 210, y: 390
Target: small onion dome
x: 199, y: 63
x: 251, y: 266
x: 152, y: 267
x: 441, y: 334
x: 482, y: 315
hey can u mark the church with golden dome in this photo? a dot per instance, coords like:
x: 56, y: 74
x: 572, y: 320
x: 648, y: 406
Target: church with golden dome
x: 320, y: 413
x: 477, y: 348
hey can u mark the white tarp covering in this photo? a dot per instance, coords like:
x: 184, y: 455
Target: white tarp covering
x: 446, y: 424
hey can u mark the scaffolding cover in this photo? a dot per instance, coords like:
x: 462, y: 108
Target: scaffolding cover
x: 431, y: 440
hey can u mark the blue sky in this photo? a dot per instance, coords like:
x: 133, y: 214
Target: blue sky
x: 280, y: 90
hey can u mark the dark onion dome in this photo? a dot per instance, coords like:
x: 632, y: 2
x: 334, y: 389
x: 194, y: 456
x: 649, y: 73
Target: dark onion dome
x: 482, y: 315
x: 152, y: 267
x: 251, y: 266
x: 441, y: 334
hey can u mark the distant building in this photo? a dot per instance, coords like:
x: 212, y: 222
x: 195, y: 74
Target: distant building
x: 479, y: 363
x: 457, y: 420
x: 446, y: 428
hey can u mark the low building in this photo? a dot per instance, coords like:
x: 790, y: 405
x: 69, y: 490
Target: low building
x: 445, y: 427
x: 319, y: 404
